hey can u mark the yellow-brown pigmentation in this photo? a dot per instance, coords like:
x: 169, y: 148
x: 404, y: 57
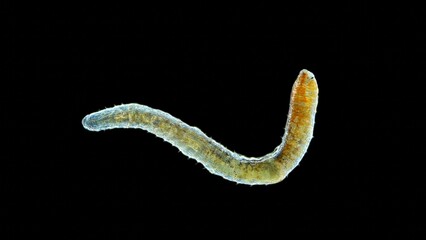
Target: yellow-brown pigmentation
x: 216, y: 158
x: 300, y: 120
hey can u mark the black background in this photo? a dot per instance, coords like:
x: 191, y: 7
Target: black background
x: 227, y: 69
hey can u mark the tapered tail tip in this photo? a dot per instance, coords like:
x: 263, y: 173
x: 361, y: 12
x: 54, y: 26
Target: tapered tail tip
x: 89, y: 123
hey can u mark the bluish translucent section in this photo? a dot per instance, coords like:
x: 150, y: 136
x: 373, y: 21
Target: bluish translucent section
x: 91, y: 122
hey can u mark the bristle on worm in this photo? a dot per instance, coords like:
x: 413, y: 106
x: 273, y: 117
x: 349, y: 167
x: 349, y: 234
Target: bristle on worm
x: 192, y: 142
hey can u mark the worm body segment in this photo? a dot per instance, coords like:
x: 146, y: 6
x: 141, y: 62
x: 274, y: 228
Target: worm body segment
x: 192, y: 142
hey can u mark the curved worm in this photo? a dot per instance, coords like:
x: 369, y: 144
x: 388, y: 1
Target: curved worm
x: 192, y: 142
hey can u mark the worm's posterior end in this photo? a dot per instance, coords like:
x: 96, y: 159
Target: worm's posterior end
x: 89, y: 123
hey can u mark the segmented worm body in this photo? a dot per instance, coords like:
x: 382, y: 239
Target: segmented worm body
x: 216, y: 158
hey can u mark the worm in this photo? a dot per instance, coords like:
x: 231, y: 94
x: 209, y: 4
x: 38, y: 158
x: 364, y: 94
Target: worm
x: 217, y: 159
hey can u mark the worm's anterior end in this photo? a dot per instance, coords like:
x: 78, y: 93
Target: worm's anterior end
x: 308, y: 74
x: 307, y: 79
